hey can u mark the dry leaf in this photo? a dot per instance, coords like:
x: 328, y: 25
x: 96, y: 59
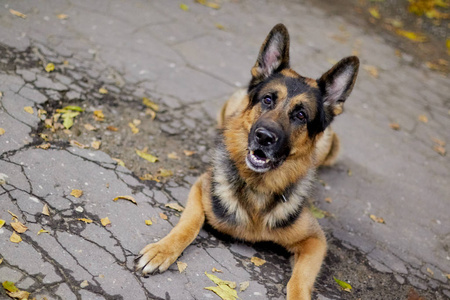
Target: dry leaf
x: 219, y: 281
x: 49, y: 67
x: 76, y: 193
x: 214, y: 270
x: 2, y: 222
x: 148, y: 222
x: 163, y: 216
x: 9, y: 286
x: 17, y: 13
x: 150, y: 104
x: 328, y: 199
x: 84, y: 284
x: 243, y: 286
x: 18, y: 226
x: 103, y: 91
x: 394, y: 126
x: 45, y: 210
x: 447, y: 275
x: 44, y: 136
x: 112, y: 128
x: 208, y: 4
x: 257, y: 261
x: 89, y: 127
x: 447, y: 44
x: 372, y: 70
x: 438, y: 141
x: 317, y: 212
x: 3, y: 178
x: 1, y: 260
x: 164, y: 173
x: 87, y: 221
x: 119, y: 161
x: 175, y: 206
x: 42, y: 231
x: 137, y: 122
x: 375, y: 12
x: 147, y: 156
x: 181, y: 266
x: 224, y: 289
x: 105, y: 221
x: 14, y: 217
x: 219, y: 26
x: 189, y: 153
x: 415, y: 37
x: 44, y: 146
x: 2, y: 131
x: 21, y: 295
x: 15, y: 238
x: 96, y: 144
x: 151, y: 113
x: 78, y: 144
x: 28, y: 109
x: 430, y: 271
x: 133, y: 127
x: 439, y: 149
x: 173, y: 155
x: 184, y: 7
x: 344, y: 285
x: 129, y: 198
x: 98, y: 115
x: 423, y: 119
x: 377, y: 219
x: 62, y: 16
x: 149, y: 177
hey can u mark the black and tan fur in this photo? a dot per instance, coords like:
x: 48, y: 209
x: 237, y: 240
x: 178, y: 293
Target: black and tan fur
x: 273, y: 136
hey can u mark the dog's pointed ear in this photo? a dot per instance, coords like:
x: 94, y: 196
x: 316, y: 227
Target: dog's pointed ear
x: 274, y: 53
x: 336, y: 85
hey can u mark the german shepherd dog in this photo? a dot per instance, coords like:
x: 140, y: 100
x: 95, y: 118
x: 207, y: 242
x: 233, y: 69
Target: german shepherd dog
x: 272, y: 138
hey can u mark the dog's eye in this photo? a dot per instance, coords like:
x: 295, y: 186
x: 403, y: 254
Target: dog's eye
x: 300, y: 115
x: 267, y: 100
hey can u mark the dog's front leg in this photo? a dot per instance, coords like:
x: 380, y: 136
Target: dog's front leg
x: 308, y: 257
x: 160, y: 255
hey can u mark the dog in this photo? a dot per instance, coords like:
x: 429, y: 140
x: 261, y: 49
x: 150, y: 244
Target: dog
x: 272, y: 138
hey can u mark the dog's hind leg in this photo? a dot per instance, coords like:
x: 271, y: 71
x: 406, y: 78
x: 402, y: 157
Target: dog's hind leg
x: 159, y: 256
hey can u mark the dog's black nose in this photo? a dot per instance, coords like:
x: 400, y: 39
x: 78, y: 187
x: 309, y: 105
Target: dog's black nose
x: 265, y: 137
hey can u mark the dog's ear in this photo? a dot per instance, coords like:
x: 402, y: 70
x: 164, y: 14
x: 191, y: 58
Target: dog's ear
x: 336, y: 85
x: 274, y: 54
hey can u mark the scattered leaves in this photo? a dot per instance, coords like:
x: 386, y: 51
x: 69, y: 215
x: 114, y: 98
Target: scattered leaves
x: 49, y: 67
x: 89, y: 127
x: 17, y: 13
x: 328, y: 199
x: 78, y: 144
x: 45, y: 210
x: 87, y: 221
x: 184, y: 7
x: 428, y: 8
x: 413, y: 36
x: 14, y: 216
x: 42, y: 231
x: 377, y: 219
x: 73, y: 108
x: 317, y: 212
x: 372, y: 70
x: 439, y: 149
x: 15, y: 238
x: 423, y: 118
x: 163, y: 216
x: 438, y: 141
x: 175, y: 206
x: 181, y: 266
x: 2, y: 222
x: 76, y: 193
x: 62, y: 16
x: 394, y: 126
x: 68, y: 117
x: 96, y: 144
x: 243, y: 286
x: 173, y: 155
x: 147, y: 156
x: 44, y: 136
x: 99, y: 116
x: 28, y: 109
x: 149, y: 177
x: 129, y: 198
x: 103, y: 91
x: 214, y: 270
x: 224, y: 289
x: 133, y: 127
x: 21, y: 295
x: 209, y: 4
x: 257, y: 261
x: 164, y: 173
x: 105, y: 221
x: 374, y: 12
x: 150, y: 104
x: 119, y: 161
x: 18, y: 226
x: 148, y: 222
x: 9, y: 286
x: 344, y: 285
x: 2, y: 131
x: 189, y: 153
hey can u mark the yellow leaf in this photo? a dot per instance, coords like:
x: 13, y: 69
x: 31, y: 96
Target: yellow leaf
x: 243, y: 286
x: 96, y: 144
x: 1, y: 260
x: 372, y: 70
x: 15, y: 238
x: 151, y: 113
x: 129, y: 198
x: 223, y: 291
x: 189, y: 153
x: 181, y: 266
x: 163, y: 216
x: 317, y: 212
x: 377, y: 219
x: 89, y: 127
x: 209, y: 4
x: 28, y: 109
x: 447, y: 43
x: 2, y: 131
x: 84, y: 284
x: 147, y: 102
x: 439, y: 149
x: 394, y: 126
x: 105, y: 221
x: 214, y: 270
x: 14, y: 217
x: 147, y: 156
x: 165, y: 173
x: 257, y: 261
x: 44, y: 136
x: 2, y: 222
x: 119, y: 161
x: 18, y: 226
x: 438, y: 141
x: 416, y: 37
x: 44, y: 146
x: 98, y: 115
x: 9, y: 286
x: 21, y: 295
x: 374, y: 12
x: 49, y: 67
x: 78, y: 144
x: 76, y: 193
x: 42, y: 231
x: 133, y: 127
x: 344, y: 285
x: 219, y: 26
x: 112, y: 128
x: 173, y: 155
x: 423, y: 119
x: 149, y: 177
x: 430, y: 271
x: 17, y: 13
x: 148, y: 222
x: 45, y: 210
x: 184, y: 7
x: 103, y: 91
x: 87, y: 221
x: 175, y: 206
x: 62, y: 16
x: 219, y: 281
x: 328, y: 199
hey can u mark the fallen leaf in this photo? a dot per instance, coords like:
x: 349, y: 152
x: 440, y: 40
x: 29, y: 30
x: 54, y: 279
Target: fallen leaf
x: 1, y: 260
x: 119, y: 161
x: 28, y: 109
x: 133, y: 127
x: 79, y: 209
x: 13, y: 215
x: 349, y: 172
x: 49, y: 67
x: 243, y: 286
x: 44, y: 136
x: 423, y: 119
x: 413, y: 36
x: 257, y: 261
x: 394, y: 126
x: 375, y: 12
x: 15, y: 238
x: 2, y: 222
x: 72, y: 108
x: 78, y: 144
x: 175, y: 206
x: 84, y: 284
x: 219, y: 26
x: 181, y: 266
x: 42, y: 231
x: 328, y: 199
x: 372, y: 70
x: 21, y: 295
x: 129, y: 198
x: 189, y: 153
x: 17, y: 13
x: 2, y: 131
x: 96, y: 144
x: 137, y: 122
x: 173, y: 155
x: 9, y: 286
x: 44, y: 146
x: 430, y: 271
x: 209, y: 4
x: 148, y: 222
x: 147, y: 156
x: 76, y: 193
x: 3, y: 178
x: 150, y: 104
x: 438, y: 141
x: 18, y: 226
x: 428, y: 8
x: 68, y: 117
x: 163, y: 216
x: 105, y: 221
x: 149, y: 177
x: 447, y: 44
x: 377, y: 219
x: 224, y: 289
x: 87, y: 221
x: 98, y: 115
x: 217, y: 280
x: 439, y: 149
x: 165, y: 173
x: 413, y: 295
x: 62, y: 16
x: 89, y: 127
x: 184, y: 7
x: 344, y: 285
x: 151, y: 113
x: 45, y: 210
x: 214, y: 270
x: 103, y: 91
x: 447, y: 275
x: 317, y: 212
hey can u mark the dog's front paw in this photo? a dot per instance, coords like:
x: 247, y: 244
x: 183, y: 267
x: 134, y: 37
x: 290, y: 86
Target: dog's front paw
x: 159, y: 256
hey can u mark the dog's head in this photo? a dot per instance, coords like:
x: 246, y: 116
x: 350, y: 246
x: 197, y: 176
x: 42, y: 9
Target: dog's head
x: 287, y: 112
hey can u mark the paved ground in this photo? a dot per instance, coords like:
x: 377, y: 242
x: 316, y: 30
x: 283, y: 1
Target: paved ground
x: 189, y: 62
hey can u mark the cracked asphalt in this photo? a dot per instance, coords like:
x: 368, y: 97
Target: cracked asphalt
x: 188, y: 64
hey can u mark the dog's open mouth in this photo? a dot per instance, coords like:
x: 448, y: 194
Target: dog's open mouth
x: 258, y: 161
